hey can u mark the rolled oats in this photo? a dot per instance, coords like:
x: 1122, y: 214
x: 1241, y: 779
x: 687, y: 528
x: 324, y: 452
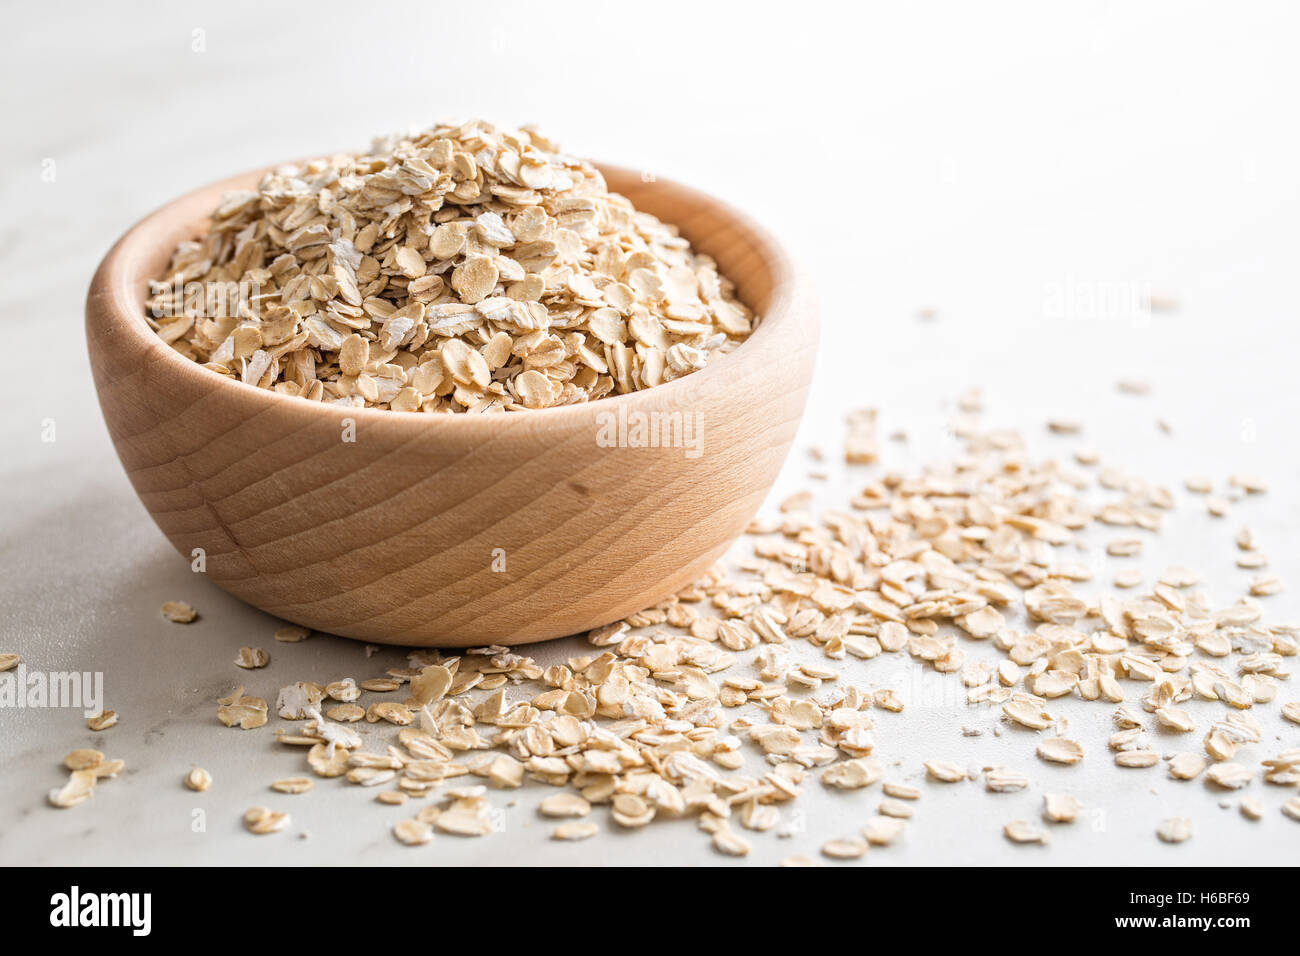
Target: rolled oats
x: 574, y: 831
x: 846, y: 848
x: 1175, y: 830
x: 1061, y: 807
x: 178, y: 612
x: 463, y: 268
x: 1060, y: 750
x: 252, y: 658
x: 413, y: 832
x: 103, y: 720
x: 1021, y: 831
x: 656, y: 720
x: 83, y: 759
x: 883, y: 830
x: 262, y: 821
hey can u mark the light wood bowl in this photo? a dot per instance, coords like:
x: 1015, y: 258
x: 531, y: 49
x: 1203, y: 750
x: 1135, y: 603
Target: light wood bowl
x: 392, y: 538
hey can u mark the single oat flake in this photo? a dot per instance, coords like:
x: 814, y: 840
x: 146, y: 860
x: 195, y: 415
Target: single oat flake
x: 944, y: 772
x: 292, y: 785
x: 262, y: 821
x: 574, y: 831
x: 178, y: 612
x: 413, y: 832
x: 1061, y: 807
x: 103, y: 720
x: 1060, y: 750
x: 1175, y: 830
x: 1020, y: 831
x: 846, y: 848
x: 83, y: 759
x: 252, y: 658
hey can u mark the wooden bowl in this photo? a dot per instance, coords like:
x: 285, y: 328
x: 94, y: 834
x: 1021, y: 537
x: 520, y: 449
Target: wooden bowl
x: 453, y: 530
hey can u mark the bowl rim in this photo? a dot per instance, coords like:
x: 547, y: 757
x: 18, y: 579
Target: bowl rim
x: 112, y: 295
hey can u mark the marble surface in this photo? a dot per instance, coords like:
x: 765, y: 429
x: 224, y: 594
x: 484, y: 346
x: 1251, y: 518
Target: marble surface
x: 1029, y: 173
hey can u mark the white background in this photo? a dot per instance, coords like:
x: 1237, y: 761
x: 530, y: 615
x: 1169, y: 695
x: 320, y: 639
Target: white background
x: 1003, y: 164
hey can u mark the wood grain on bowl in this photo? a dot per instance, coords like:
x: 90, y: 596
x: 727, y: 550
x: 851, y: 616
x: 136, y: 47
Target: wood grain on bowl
x: 453, y: 530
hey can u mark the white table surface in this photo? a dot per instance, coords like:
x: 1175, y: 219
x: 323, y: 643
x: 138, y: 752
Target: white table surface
x: 980, y: 160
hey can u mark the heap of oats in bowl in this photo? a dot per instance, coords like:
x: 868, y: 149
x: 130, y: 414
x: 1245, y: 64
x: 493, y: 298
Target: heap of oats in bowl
x: 458, y: 269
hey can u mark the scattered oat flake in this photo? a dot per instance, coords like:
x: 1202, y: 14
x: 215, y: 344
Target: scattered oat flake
x: 883, y: 830
x: 292, y: 785
x: 846, y: 848
x: 262, y: 821
x: 178, y: 612
x: 1187, y: 766
x: 1251, y: 484
x: 900, y: 809
x: 1175, y: 830
x: 463, y: 822
x: 564, y: 805
x: 251, y: 658
x: 1064, y: 426
x: 1266, y: 585
x: 9, y: 661
x: 903, y: 791
x: 102, y: 720
x: 574, y: 831
x: 237, y: 710
x: 198, y: 780
x: 1137, y: 758
x: 729, y: 843
x: 1061, y: 807
x: 1229, y: 775
x: 292, y: 634
x: 84, y: 759
x: 1124, y: 547
x: 1060, y: 750
x: 79, y: 788
x: 1021, y: 831
x: 413, y: 832
x: 944, y: 772
x: 630, y: 810
x: 1001, y: 780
